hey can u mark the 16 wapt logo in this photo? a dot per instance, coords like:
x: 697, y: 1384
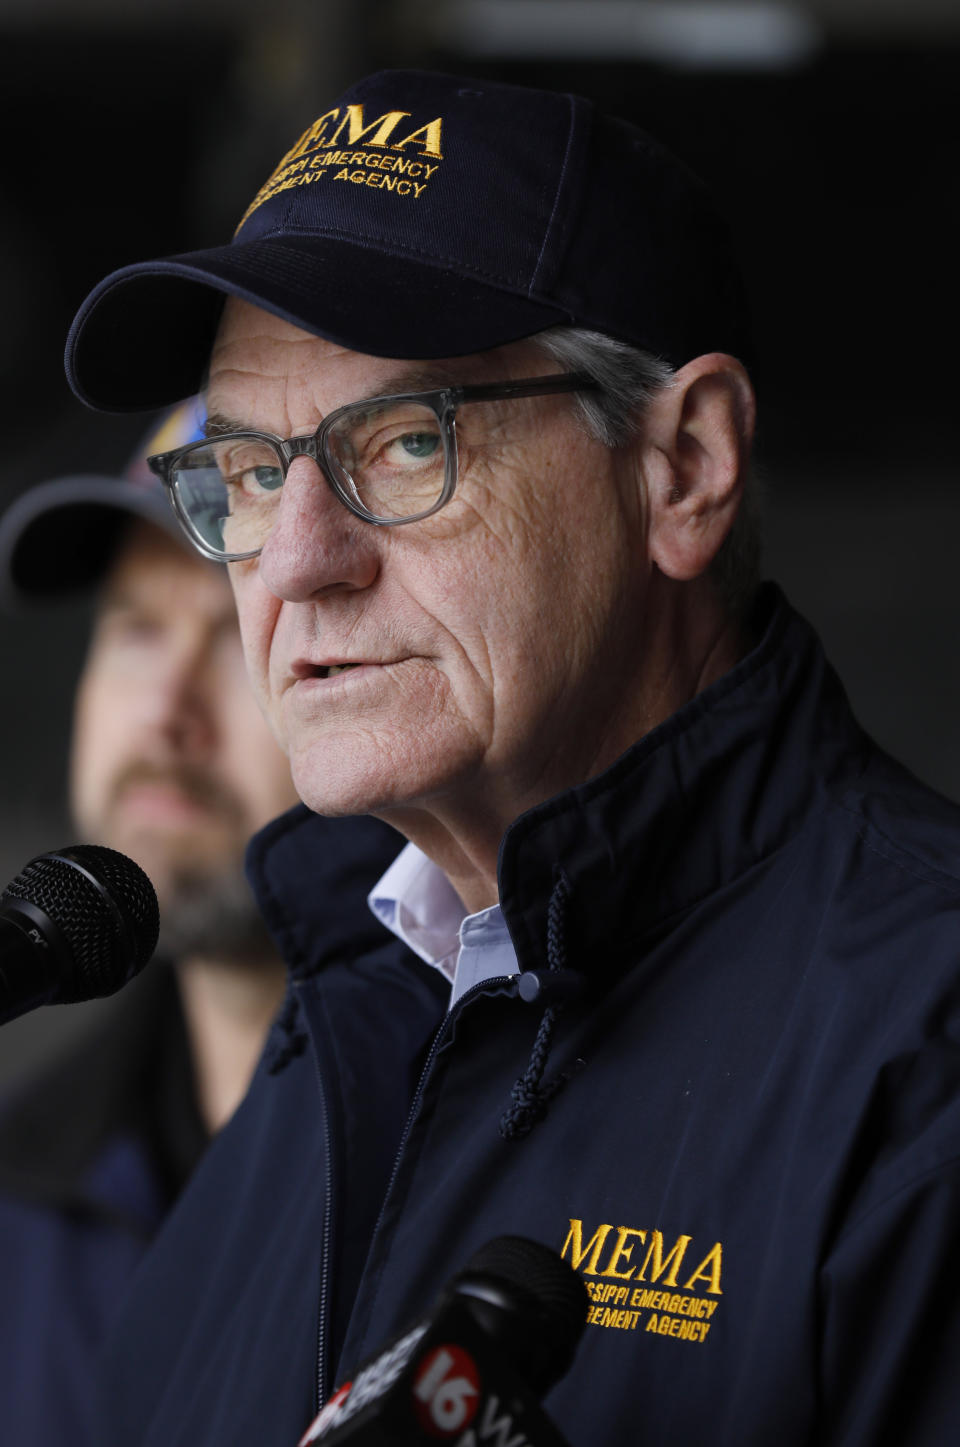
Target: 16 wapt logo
x: 446, y: 1394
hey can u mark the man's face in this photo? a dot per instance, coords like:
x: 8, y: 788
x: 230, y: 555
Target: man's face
x: 490, y: 646
x: 172, y: 762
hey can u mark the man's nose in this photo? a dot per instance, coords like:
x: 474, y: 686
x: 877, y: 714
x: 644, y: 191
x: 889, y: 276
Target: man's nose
x: 316, y: 545
x: 177, y: 704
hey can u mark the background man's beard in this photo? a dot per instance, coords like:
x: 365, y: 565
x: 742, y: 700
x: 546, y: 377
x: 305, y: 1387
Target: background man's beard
x: 213, y: 916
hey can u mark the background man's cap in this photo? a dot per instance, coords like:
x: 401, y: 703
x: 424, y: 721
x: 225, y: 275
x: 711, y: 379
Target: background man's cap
x: 60, y: 536
x: 425, y: 215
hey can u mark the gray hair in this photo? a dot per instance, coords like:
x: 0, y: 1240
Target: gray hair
x: 629, y: 380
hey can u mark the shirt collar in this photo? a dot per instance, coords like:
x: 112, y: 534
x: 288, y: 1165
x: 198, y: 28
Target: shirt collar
x: 415, y: 900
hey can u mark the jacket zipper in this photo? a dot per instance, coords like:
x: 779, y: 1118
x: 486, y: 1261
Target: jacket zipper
x: 325, y: 1239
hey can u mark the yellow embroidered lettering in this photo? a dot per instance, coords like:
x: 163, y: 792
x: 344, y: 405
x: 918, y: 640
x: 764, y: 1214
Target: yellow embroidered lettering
x: 621, y: 1248
x: 357, y: 131
x: 658, y: 1264
x: 579, y: 1253
x: 708, y: 1270
x: 651, y: 1322
x: 430, y: 142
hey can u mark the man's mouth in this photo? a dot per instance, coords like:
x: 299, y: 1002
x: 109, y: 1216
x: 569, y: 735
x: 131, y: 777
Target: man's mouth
x: 306, y: 670
x: 180, y: 792
x: 163, y: 798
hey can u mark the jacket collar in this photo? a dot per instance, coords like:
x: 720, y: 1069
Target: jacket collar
x: 311, y: 877
x: 717, y: 787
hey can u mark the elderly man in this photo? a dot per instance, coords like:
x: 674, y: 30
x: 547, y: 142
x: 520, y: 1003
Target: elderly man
x: 478, y: 445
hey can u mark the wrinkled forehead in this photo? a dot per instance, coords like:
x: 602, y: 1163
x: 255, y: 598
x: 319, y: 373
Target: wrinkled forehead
x: 260, y: 362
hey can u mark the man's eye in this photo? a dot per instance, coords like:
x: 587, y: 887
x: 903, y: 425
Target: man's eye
x: 420, y: 444
x: 262, y: 479
x: 415, y: 446
x: 254, y: 481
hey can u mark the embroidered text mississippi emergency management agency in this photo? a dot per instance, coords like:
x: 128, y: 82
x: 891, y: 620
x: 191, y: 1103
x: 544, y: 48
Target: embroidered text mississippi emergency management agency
x: 394, y: 156
x: 657, y: 1291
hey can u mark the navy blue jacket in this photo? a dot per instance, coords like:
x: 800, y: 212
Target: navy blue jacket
x: 746, y: 1135
x: 92, y: 1153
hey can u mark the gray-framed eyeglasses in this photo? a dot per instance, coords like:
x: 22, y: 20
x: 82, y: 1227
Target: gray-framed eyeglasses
x: 390, y: 460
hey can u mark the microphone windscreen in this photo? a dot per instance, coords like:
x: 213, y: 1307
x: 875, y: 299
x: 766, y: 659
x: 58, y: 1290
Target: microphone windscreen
x: 543, y: 1303
x: 105, y: 908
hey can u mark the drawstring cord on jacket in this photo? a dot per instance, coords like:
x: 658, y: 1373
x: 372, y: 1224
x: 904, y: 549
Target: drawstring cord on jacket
x: 288, y: 1038
x: 529, y: 1097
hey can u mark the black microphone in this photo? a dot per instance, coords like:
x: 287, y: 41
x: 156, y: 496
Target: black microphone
x: 473, y: 1371
x: 75, y: 924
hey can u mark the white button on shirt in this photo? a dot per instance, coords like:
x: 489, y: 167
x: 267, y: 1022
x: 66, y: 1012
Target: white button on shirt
x: 416, y: 901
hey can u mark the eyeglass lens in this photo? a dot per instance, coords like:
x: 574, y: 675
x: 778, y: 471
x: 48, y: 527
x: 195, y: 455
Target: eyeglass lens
x: 387, y: 459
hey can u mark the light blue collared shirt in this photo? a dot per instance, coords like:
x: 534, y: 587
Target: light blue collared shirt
x: 416, y: 901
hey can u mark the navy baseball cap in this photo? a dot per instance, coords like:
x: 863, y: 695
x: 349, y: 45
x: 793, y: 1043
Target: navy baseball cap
x: 60, y: 536
x: 427, y: 215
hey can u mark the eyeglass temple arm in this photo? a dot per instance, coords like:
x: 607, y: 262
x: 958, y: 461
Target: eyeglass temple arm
x: 529, y: 387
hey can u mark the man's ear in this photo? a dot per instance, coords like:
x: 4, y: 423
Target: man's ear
x: 696, y: 443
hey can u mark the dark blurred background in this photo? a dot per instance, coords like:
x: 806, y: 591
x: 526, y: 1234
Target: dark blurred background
x: 826, y: 129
